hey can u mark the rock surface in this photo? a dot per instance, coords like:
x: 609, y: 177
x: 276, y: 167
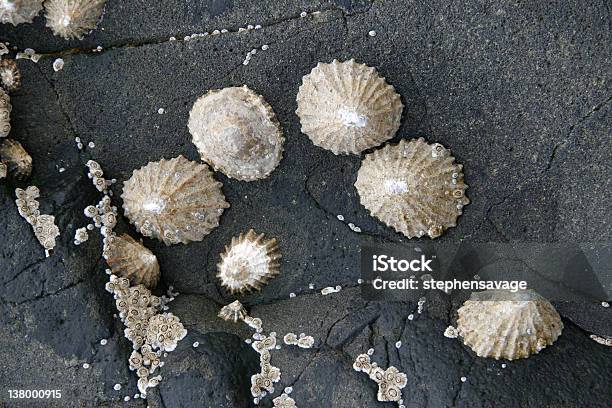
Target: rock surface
x: 520, y: 93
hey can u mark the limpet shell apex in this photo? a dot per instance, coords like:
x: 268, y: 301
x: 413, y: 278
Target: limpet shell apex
x: 346, y: 107
x: 128, y: 258
x: 248, y: 262
x: 414, y: 187
x: 502, y: 324
x: 237, y: 133
x: 174, y: 201
x: 71, y: 19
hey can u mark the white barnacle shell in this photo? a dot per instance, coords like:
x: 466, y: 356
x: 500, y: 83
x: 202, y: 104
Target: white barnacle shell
x: 414, y: 187
x: 73, y: 18
x: 174, y: 200
x: 503, y: 324
x: 128, y: 258
x: 347, y: 107
x: 237, y: 133
x: 235, y: 311
x: 16, y: 158
x: 5, y: 113
x: 9, y: 75
x: 19, y: 11
x: 248, y: 262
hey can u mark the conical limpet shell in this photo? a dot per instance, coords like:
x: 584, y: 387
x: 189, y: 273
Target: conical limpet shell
x: 19, y: 11
x: 16, y: 158
x: 73, y: 18
x: 9, y: 75
x: 502, y: 324
x: 248, y: 262
x: 413, y: 187
x: 174, y: 200
x: 5, y: 113
x: 236, y: 132
x: 235, y: 311
x: 128, y: 258
x: 347, y: 107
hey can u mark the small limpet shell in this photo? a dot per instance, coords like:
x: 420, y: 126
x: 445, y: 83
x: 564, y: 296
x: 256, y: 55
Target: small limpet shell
x: 174, y: 200
x: 347, y: 107
x: 5, y: 113
x: 502, y: 324
x: 16, y: 159
x: 235, y: 311
x: 9, y: 75
x: 237, y: 133
x: 128, y: 258
x: 19, y: 11
x: 413, y: 187
x: 73, y: 18
x: 248, y: 262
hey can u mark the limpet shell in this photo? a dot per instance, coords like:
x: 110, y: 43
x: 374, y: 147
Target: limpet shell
x: 413, y: 187
x: 128, y: 258
x: 19, y: 11
x: 9, y: 75
x: 174, y: 201
x: 237, y: 133
x: 16, y: 158
x: 248, y: 262
x: 347, y: 107
x: 73, y: 18
x: 235, y: 311
x: 5, y: 113
x: 502, y: 324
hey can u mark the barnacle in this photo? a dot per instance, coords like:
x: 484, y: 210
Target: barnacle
x: 508, y: 325
x: 16, y: 158
x: 236, y: 132
x: 234, y: 312
x: 130, y: 259
x: 347, y: 107
x: 43, y: 225
x: 414, y: 187
x: 73, y: 18
x: 173, y: 200
x: 9, y: 75
x: 5, y: 113
x: 19, y: 11
x: 248, y: 262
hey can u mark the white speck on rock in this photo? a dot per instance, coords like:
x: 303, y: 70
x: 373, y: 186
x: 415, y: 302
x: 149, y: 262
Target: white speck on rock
x: 161, y: 111
x: 463, y: 379
x: 85, y: 366
x: 117, y: 387
x: 372, y: 33
x: 196, y: 344
x: 58, y: 64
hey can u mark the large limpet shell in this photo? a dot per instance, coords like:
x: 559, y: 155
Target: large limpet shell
x: 128, y: 258
x: 16, y: 158
x: 347, y: 107
x: 5, y: 113
x: 174, y: 200
x: 248, y: 262
x: 9, y: 75
x: 502, y: 324
x: 73, y: 18
x: 19, y: 11
x: 236, y: 132
x: 413, y: 187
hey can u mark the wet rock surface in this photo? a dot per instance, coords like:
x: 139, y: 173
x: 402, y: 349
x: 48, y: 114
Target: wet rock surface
x: 519, y: 92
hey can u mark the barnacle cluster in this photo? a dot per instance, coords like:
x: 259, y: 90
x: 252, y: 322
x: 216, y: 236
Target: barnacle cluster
x: 302, y: 341
x: 43, y: 225
x: 16, y: 159
x: 10, y: 77
x: 73, y: 18
x: 284, y: 401
x: 248, y: 262
x: 19, y: 11
x: 508, y: 325
x: 5, y: 113
x: 390, y: 381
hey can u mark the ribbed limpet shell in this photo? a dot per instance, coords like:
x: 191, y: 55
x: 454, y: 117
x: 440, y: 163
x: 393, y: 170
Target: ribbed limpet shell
x: 19, y: 11
x: 5, y: 113
x: 234, y: 312
x: 16, y: 159
x: 236, y: 132
x: 9, y: 75
x: 347, y: 107
x: 73, y: 18
x: 128, y: 258
x: 248, y: 262
x: 413, y: 187
x: 502, y: 324
x: 174, y: 200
